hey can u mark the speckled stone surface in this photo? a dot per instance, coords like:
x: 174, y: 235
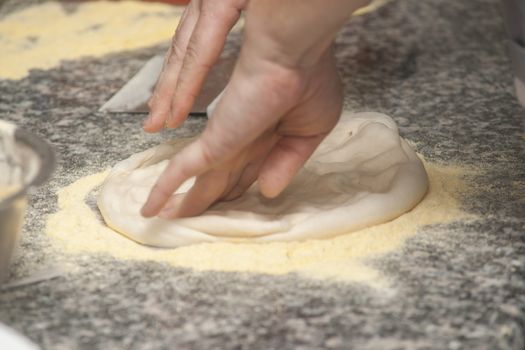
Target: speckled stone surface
x: 440, y: 69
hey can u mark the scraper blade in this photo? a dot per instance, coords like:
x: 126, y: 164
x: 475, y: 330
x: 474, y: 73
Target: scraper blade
x: 134, y: 95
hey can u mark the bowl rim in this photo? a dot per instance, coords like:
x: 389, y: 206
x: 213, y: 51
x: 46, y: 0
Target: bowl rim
x: 45, y: 153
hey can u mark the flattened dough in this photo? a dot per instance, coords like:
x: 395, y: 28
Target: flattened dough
x: 362, y: 174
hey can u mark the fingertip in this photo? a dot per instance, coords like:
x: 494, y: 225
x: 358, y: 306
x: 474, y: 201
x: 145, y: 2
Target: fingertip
x: 284, y: 162
x: 150, y: 128
x: 147, y: 127
x: 269, y: 188
x: 154, y: 204
x: 171, y: 209
x: 153, y: 124
x: 146, y: 211
x: 275, y: 174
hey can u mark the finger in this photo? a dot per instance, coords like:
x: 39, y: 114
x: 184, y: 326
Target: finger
x: 225, y: 135
x: 191, y: 161
x: 171, y: 205
x: 160, y: 102
x: 248, y: 177
x: 203, y: 50
x: 206, y: 190
x: 284, y: 161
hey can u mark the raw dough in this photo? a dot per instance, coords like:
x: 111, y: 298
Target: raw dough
x: 362, y: 174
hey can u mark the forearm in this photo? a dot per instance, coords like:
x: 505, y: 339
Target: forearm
x: 294, y: 33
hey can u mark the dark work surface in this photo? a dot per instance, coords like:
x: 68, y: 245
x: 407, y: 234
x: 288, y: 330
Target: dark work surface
x: 440, y: 69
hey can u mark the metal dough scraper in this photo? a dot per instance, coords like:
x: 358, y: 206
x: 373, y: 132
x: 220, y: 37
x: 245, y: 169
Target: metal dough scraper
x: 134, y: 95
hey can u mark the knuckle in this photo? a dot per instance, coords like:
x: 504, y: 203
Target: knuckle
x: 191, y: 51
x: 208, y: 154
x: 185, y: 96
x: 281, y: 85
x: 177, y: 51
x: 177, y: 169
x: 287, y: 82
x: 194, y: 57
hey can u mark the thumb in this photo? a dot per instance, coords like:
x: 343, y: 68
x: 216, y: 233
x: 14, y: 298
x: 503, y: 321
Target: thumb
x: 284, y: 161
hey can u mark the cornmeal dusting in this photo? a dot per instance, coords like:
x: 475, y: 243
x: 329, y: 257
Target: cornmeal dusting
x: 41, y: 36
x: 78, y: 228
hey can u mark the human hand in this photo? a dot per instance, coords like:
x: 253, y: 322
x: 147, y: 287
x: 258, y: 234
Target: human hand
x: 195, y: 47
x: 283, y: 98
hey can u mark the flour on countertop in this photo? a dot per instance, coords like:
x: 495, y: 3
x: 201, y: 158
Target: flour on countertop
x: 78, y: 228
x: 42, y: 35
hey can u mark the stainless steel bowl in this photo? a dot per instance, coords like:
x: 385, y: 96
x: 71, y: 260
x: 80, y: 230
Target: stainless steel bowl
x: 32, y: 160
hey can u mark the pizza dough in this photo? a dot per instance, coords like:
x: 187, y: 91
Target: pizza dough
x: 362, y: 174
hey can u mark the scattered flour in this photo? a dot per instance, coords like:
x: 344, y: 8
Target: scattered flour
x: 78, y: 228
x: 42, y: 35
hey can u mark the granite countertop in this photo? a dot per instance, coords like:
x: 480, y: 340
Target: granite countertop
x: 439, y: 68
